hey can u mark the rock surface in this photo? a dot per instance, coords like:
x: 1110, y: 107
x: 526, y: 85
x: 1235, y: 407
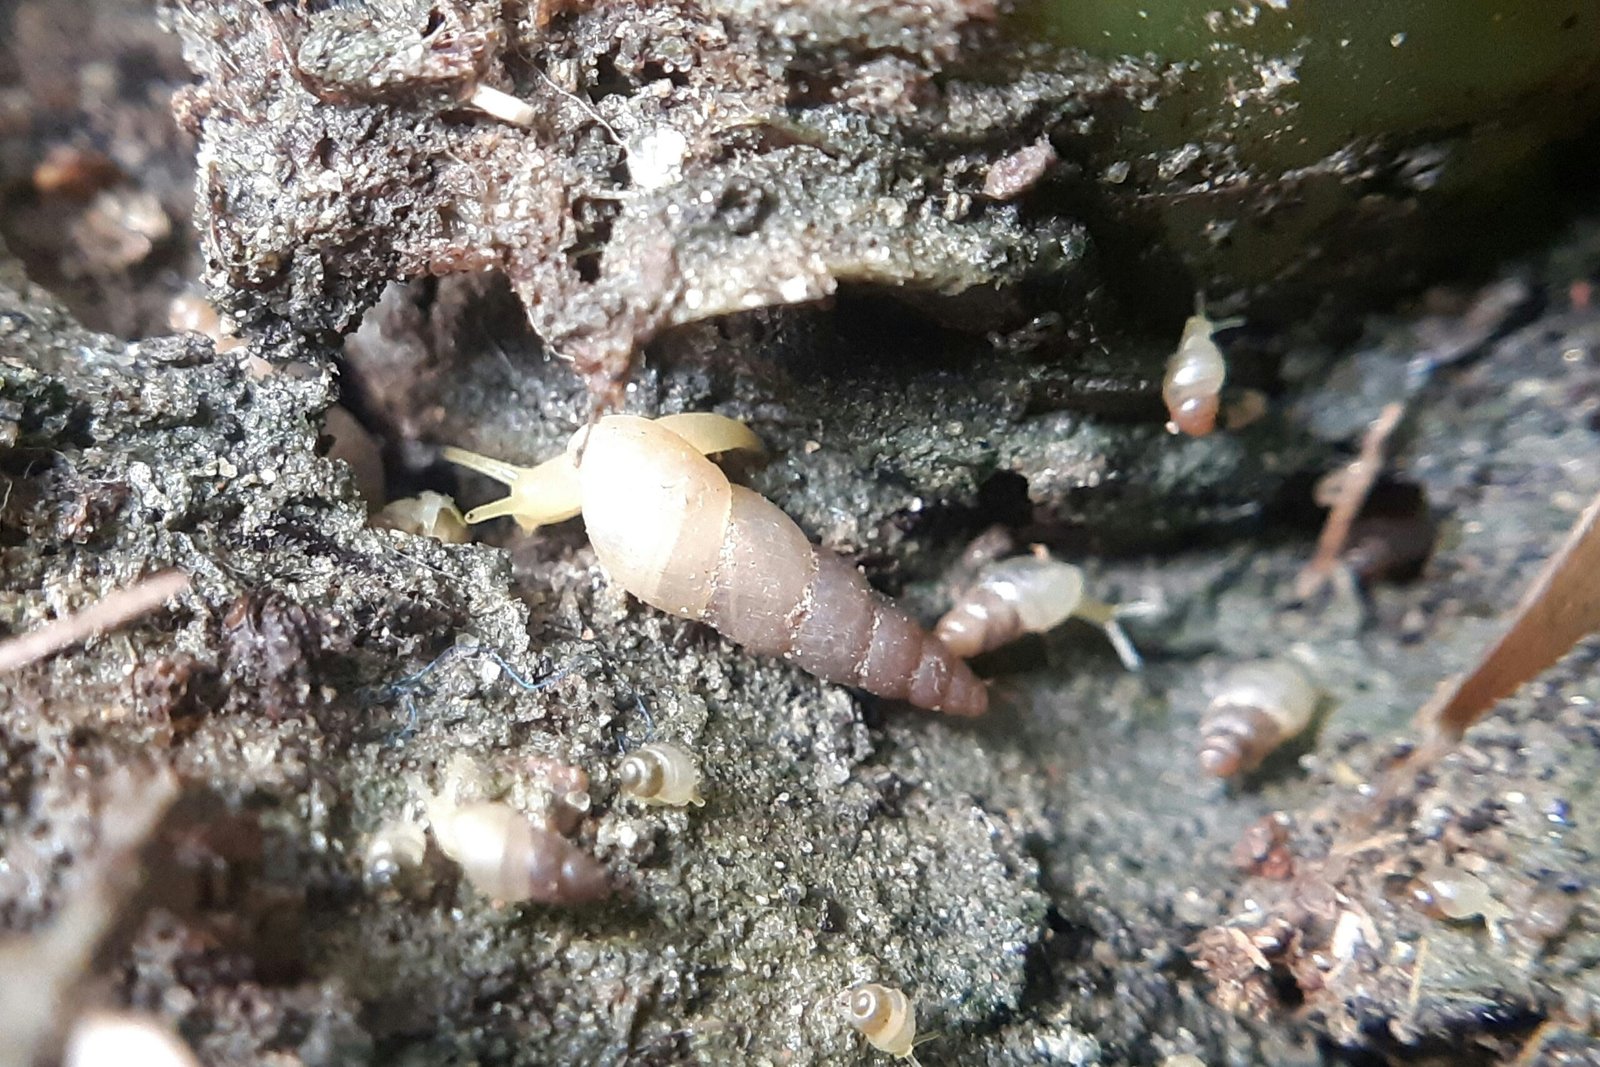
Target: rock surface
x: 189, y: 805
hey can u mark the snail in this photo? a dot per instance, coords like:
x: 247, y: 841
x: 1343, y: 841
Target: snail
x: 397, y: 846
x: 1026, y: 594
x: 427, y: 514
x: 885, y: 1017
x: 509, y: 859
x: 1195, y: 373
x: 661, y: 773
x: 1258, y: 707
x: 670, y: 528
x: 1458, y: 896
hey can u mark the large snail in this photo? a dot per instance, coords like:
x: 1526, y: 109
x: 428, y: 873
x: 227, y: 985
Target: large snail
x: 671, y: 529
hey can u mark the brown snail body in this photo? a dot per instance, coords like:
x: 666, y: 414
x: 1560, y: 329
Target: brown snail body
x: 670, y: 528
x: 1258, y: 707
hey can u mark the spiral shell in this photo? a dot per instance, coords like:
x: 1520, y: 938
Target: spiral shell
x: 1258, y: 707
x: 395, y: 847
x: 670, y: 528
x: 509, y: 859
x: 427, y: 514
x: 1024, y: 594
x: 661, y: 773
x: 884, y: 1016
x: 1192, y: 387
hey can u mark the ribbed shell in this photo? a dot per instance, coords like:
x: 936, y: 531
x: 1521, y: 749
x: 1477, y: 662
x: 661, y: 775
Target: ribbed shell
x: 671, y: 529
x: 1194, y: 378
x: 1024, y: 594
x: 662, y: 773
x: 1258, y: 707
x: 509, y: 859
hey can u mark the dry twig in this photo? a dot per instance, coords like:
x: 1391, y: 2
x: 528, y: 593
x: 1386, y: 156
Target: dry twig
x: 1354, y: 486
x: 111, y: 611
x: 1561, y: 606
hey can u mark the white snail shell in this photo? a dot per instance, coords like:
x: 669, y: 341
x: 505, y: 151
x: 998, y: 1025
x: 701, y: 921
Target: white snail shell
x: 1024, y: 594
x: 885, y: 1017
x: 509, y: 859
x: 1258, y: 707
x: 396, y: 846
x: 427, y: 514
x: 661, y: 773
x: 1193, y: 383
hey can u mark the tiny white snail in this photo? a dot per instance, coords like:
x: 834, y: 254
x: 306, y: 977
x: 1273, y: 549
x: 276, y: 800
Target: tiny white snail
x: 1258, y: 707
x: 427, y: 514
x: 661, y: 773
x: 1192, y: 387
x: 671, y: 529
x: 885, y: 1017
x: 398, y: 845
x: 1457, y: 895
x: 1026, y: 594
x: 509, y: 859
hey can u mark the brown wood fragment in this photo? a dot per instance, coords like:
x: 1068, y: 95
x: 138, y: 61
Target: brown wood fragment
x: 111, y: 611
x: 1354, y: 485
x: 1561, y: 606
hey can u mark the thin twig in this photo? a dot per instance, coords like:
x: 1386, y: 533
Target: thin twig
x: 1354, y: 486
x: 111, y: 611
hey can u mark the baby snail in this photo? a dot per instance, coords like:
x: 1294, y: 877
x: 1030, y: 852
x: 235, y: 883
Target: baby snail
x: 427, y: 515
x: 1193, y: 384
x: 396, y: 847
x: 670, y: 528
x: 1258, y: 707
x: 509, y: 859
x: 661, y: 773
x: 1458, y: 896
x: 1026, y: 594
x: 885, y: 1017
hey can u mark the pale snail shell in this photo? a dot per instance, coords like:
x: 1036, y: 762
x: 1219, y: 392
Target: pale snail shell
x: 670, y: 528
x: 1024, y: 594
x: 509, y: 859
x: 427, y: 514
x: 884, y: 1016
x: 395, y: 847
x: 1192, y: 387
x: 661, y: 773
x: 1258, y: 707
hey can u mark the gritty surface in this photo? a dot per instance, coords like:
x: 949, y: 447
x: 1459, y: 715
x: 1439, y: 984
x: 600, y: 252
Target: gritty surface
x: 1053, y: 883
x: 1036, y: 878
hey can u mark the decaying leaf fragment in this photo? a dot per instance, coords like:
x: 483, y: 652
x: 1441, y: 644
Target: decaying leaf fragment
x: 1561, y: 606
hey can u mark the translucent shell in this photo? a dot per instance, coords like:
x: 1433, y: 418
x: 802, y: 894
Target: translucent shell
x: 427, y: 514
x: 1024, y: 594
x: 661, y: 773
x: 1193, y: 384
x: 1027, y: 594
x: 1258, y: 707
x: 509, y: 859
x: 885, y: 1017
